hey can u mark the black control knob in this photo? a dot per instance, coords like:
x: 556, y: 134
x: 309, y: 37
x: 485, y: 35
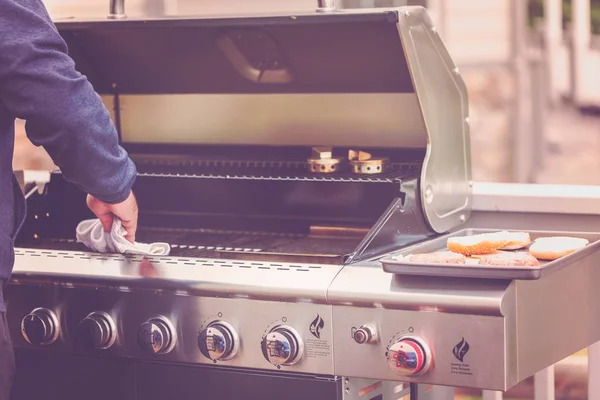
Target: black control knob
x: 218, y: 341
x: 157, y: 336
x: 97, y: 330
x: 40, y: 327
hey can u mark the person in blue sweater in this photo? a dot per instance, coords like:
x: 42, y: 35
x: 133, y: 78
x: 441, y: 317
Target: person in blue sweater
x: 63, y: 113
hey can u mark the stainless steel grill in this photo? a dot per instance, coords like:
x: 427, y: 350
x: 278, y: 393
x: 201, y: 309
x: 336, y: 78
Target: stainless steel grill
x: 282, y: 157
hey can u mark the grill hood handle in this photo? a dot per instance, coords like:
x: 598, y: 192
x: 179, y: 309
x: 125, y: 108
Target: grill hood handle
x: 327, y: 5
x: 117, y: 9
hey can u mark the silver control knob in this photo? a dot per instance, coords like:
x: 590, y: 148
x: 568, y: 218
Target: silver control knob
x: 409, y: 356
x: 157, y: 336
x: 98, y: 331
x: 218, y: 341
x: 40, y: 327
x: 365, y: 334
x: 282, y: 346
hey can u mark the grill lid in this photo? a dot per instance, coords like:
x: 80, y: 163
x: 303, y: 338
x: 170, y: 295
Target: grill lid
x: 367, y: 79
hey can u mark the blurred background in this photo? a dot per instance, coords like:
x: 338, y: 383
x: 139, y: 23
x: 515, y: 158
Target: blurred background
x: 532, y: 68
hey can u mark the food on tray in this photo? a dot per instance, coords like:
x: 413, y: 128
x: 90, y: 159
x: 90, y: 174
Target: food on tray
x: 512, y: 259
x: 440, y: 257
x: 484, y: 243
x: 478, y: 256
x: 516, y: 240
x: 555, y: 247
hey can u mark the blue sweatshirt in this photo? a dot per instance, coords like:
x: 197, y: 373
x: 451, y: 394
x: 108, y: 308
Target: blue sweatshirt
x: 63, y: 113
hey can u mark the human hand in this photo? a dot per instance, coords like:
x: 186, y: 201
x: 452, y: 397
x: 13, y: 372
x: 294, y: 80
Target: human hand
x: 126, y: 211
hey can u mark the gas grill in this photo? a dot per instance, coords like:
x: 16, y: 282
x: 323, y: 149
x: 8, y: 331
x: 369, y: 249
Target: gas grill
x: 282, y: 158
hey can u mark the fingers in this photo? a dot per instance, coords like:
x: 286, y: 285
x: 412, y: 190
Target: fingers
x: 126, y: 211
x: 106, y: 220
x: 101, y: 211
x: 131, y: 228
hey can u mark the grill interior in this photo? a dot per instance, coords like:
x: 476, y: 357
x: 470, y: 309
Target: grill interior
x: 242, y: 209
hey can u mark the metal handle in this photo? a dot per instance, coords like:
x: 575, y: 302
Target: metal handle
x: 117, y: 9
x: 414, y: 391
x: 327, y: 5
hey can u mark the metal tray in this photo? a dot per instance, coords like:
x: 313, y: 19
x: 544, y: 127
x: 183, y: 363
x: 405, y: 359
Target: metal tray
x: 482, y: 271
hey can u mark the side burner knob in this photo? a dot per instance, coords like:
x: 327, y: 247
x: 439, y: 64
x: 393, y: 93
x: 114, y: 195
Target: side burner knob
x: 98, y: 331
x: 409, y: 356
x: 40, y: 327
x: 157, y: 336
x: 282, y: 346
x: 364, y: 334
x: 218, y: 341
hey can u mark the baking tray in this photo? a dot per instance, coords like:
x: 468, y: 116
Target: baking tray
x: 483, y: 271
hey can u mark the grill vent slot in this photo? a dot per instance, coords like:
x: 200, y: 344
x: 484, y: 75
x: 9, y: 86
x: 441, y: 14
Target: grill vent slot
x: 184, y: 262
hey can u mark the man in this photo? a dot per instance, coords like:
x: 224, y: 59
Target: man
x: 39, y: 84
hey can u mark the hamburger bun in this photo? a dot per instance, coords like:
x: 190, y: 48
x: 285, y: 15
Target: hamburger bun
x: 510, y: 260
x: 555, y: 247
x: 516, y: 241
x: 483, y: 243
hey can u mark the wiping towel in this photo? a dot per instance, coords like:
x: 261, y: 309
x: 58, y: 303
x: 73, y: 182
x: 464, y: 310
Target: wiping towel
x: 91, y: 233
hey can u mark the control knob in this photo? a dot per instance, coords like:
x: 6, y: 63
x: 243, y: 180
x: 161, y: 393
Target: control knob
x: 157, y: 336
x: 409, y: 356
x: 282, y: 346
x: 97, y: 330
x: 365, y: 334
x: 40, y: 327
x: 218, y: 341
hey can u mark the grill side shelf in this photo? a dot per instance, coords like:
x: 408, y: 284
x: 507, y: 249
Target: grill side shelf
x: 476, y: 271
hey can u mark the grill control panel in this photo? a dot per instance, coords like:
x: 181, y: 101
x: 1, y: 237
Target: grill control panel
x: 422, y: 347
x: 266, y: 335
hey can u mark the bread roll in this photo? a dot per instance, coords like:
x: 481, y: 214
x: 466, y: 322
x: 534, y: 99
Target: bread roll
x: 510, y: 260
x: 516, y: 241
x: 440, y: 257
x: 553, y: 248
x: 484, y: 243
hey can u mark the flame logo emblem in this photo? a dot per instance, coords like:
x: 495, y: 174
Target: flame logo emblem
x: 461, y: 349
x: 316, y: 326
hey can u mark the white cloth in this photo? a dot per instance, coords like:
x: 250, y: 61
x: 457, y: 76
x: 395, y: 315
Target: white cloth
x: 91, y: 233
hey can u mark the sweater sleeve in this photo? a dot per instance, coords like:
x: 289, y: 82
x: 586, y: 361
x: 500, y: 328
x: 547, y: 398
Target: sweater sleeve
x: 63, y: 113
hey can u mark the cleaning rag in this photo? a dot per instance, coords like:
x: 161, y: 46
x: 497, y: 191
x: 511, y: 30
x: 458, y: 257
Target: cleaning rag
x: 91, y: 233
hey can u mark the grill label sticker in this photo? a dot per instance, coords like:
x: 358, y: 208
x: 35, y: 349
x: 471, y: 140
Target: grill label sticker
x: 317, y: 347
x: 459, y: 352
x: 316, y: 326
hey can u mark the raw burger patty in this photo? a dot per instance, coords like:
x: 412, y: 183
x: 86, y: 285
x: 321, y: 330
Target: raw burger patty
x: 440, y: 257
x: 510, y: 260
